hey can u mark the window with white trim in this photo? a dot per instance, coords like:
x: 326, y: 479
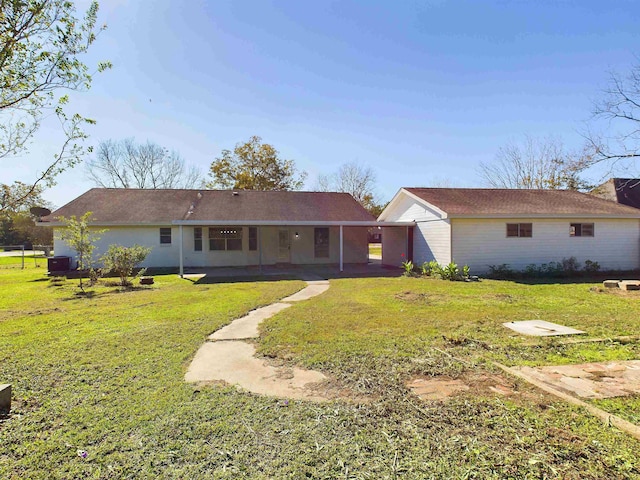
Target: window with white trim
x: 519, y: 230
x: 581, y: 230
x: 165, y: 236
x: 225, y: 238
x: 253, y: 238
x: 197, y: 239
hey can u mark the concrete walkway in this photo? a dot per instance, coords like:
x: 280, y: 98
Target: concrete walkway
x: 227, y: 357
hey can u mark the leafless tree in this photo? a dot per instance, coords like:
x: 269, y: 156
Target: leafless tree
x: 619, y: 109
x: 126, y: 164
x: 534, y: 163
x: 355, y: 179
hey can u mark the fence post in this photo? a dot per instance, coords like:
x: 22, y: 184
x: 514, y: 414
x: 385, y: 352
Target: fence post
x: 23, y: 256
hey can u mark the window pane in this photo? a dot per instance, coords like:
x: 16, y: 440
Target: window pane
x: 165, y: 235
x: 512, y: 229
x: 526, y: 230
x: 234, y: 244
x: 216, y: 244
x: 574, y: 230
x: 253, y: 238
x: 197, y: 239
x: 321, y: 242
x: 587, y: 230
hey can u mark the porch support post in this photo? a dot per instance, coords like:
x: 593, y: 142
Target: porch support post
x: 180, y: 247
x: 260, y: 247
x: 341, y: 248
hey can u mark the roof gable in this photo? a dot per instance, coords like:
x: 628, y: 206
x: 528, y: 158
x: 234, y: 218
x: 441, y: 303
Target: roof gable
x: 163, y: 206
x: 625, y: 191
x: 518, y: 202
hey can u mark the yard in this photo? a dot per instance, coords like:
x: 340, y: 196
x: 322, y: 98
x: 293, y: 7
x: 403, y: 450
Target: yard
x: 103, y: 374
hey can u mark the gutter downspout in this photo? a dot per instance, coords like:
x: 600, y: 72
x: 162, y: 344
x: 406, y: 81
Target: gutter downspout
x: 260, y: 247
x: 341, y: 249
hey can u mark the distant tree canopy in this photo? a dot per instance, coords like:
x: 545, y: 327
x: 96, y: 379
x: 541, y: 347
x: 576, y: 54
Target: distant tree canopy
x: 17, y: 225
x: 254, y: 165
x: 534, y: 163
x: 41, y: 46
x: 355, y: 179
x: 127, y: 164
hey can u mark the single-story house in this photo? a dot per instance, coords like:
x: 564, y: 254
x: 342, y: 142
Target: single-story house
x: 214, y: 228
x: 483, y: 227
x: 625, y: 191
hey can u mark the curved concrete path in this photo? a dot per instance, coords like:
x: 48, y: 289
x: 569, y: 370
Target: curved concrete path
x: 228, y: 358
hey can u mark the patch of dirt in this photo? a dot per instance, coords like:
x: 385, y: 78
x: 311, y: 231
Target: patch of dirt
x: 502, y: 297
x: 441, y: 388
x: 421, y: 298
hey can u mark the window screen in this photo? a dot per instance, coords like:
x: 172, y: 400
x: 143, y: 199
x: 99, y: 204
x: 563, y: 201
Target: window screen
x: 197, y: 239
x: 253, y: 238
x: 165, y: 236
x: 581, y: 230
x: 519, y: 230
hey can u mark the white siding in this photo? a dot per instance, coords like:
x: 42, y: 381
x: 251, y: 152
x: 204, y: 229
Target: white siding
x: 483, y: 242
x: 431, y: 236
x: 302, y: 247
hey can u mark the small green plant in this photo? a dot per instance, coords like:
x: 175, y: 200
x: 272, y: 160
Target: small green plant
x: 450, y: 272
x: 407, y: 265
x: 570, y: 266
x: 122, y: 260
x: 502, y: 271
x: 466, y: 271
x: 431, y: 268
x: 591, y: 266
x: 81, y: 237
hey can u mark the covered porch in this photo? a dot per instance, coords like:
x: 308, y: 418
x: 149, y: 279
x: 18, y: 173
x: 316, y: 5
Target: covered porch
x: 214, y: 244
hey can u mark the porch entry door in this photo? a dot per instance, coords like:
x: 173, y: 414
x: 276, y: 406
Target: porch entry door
x: 284, y: 246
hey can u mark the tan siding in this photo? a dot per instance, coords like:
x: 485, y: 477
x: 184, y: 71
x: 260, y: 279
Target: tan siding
x: 483, y: 242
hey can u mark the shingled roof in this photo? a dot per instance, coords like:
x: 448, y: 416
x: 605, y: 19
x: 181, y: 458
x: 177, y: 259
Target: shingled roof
x: 622, y: 190
x: 503, y: 202
x: 152, y: 207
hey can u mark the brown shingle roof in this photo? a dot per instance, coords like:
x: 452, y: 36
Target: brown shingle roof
x: 622, y: 190
x: 143, y: 206
x: 491, y: 201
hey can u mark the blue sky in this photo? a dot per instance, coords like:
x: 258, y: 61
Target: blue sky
x: 421, y: 91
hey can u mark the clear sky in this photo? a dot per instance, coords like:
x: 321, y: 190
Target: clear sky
x: 421, y: 91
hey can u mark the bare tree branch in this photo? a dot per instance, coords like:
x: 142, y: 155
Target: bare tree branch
x: 125, y: 164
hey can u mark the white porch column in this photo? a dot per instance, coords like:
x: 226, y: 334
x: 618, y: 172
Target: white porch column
x: 341, y: 248
x: 260, y: 247
x: 181, y: 256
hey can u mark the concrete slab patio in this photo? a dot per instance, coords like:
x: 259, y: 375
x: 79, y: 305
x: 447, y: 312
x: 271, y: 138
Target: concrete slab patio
x: 590, y: 380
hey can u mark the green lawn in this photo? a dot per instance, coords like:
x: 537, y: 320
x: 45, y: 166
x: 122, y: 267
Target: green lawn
x: 375, y: 249
x: 104, y: 373
x: 15, y: 261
